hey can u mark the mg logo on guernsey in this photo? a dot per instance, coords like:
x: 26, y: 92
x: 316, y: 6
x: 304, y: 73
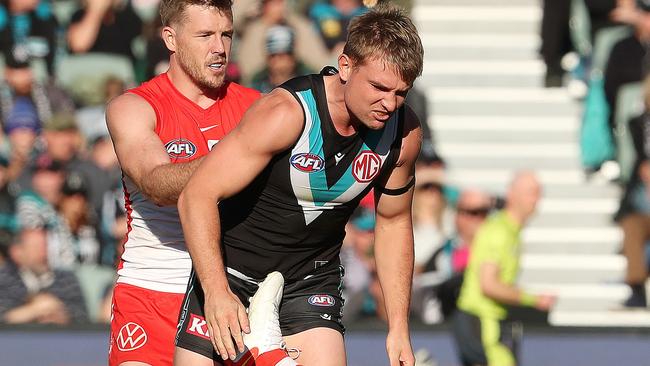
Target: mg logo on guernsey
x: 131, y: 337
x: 322, y: 300
x: 366, y: 166
x: 307, y: 162
x: 180, y: 149
x: 198, y: 326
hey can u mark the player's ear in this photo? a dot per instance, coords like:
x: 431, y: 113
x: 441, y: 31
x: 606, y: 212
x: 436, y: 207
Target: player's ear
x: 345, y: 67
x: 168, y: 34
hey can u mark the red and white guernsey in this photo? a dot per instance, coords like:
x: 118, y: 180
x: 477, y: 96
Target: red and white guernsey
x: 155, y: 256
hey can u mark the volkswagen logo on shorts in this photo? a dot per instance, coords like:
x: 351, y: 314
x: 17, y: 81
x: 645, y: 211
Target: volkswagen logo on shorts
x: 180, y: 149
x: 322, y: 300
x: 307, y: 162
x: 132, y: 336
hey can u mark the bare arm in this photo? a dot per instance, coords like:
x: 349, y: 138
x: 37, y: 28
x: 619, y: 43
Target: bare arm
x: 394, y: 245
x: 83, y: 34
x: 271, y: 125
x: 141, y: 154
x: 495, y: 289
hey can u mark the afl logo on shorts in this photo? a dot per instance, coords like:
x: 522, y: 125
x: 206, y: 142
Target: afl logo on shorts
x: 180, y: 149
x: 308, y: 163
x: 132, y: 336
x: 366, y: 166
x: 322, y: 300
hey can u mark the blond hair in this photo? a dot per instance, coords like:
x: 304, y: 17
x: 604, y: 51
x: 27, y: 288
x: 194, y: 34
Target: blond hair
x: 386, y: 33
x: 173, y: 11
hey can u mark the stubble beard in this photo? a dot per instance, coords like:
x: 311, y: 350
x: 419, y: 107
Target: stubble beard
x: 195, y: 71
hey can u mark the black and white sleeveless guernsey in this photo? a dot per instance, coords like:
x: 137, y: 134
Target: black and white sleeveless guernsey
x: 292, y: 217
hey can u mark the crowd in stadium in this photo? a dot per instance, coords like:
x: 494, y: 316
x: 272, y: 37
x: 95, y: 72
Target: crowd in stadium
x: 608, y: 68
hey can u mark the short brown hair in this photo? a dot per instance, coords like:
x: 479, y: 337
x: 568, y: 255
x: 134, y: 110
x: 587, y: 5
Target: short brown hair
x: 173, y: 11
x: 386, y: 33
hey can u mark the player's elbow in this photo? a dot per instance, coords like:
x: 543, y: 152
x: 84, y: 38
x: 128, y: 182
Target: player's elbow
x: 184, y: 201
x: 189, y: 197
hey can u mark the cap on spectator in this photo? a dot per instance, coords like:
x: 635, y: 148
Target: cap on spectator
x: 279, y: 39
x: 23, y: 115
x: 45, y: 162
x: 75, y: 184
x: 643, y: 5
x: 61, y: 121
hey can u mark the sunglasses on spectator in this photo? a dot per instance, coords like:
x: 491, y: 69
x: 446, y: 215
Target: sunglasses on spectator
x: 430, y: 186
x: 477, y: 212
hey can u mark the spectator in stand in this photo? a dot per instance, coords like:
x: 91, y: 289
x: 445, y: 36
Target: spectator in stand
x: 600, y: 14
x: 28, y: 30
x: 634, y: 213
x: 36, y: 208
x: 31, y: 291
x: 471, y: 210
x: 63, y: 144
x: 20, y: 84
x: 489, y: 281
x: 25, y: 104
x: 22, y: 127
x: 428, y: 210
x: 308, y: 45
x: 108, y: 202
x: 627, y: 62
x: 8, y: 220
x: 358, y: 259
x: 449, y: 260
x: 332, y: 17
x: 281, y: 61
x: 108, y: 26
x: 78, y: 217
x: 556, y: 39
x: 91, y: 120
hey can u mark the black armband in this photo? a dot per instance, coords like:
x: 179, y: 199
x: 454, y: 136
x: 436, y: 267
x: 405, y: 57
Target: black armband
x: 398, y: 191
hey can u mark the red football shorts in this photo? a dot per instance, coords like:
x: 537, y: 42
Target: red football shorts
x: 143, y: 325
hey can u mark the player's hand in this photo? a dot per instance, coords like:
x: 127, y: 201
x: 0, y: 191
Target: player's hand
x: 545, y: 302
x: 226, y: 318
x: 398, y: 347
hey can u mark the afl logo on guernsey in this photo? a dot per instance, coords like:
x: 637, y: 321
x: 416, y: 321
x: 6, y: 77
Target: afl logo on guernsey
x: 307, y: 162
x: 366, y: 166
x: 180, y: 149
x: 322, y: 300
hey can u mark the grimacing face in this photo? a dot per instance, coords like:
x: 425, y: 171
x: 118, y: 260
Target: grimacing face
x: 374, y: 90
x: 203, y: 42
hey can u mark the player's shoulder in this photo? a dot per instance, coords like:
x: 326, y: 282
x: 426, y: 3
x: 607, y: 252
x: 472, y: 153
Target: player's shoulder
x: 278, y: 109
x: 280, y: 101
x: 126, y: 101
x: 127, y: 106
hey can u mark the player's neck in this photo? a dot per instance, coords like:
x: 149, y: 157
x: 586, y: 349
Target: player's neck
x: 339, y: 113
x: 204, y: 98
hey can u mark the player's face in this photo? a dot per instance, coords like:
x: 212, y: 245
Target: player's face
x: 203, y: 45
x: 374, y: 90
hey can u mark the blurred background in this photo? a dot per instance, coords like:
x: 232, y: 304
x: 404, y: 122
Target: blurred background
x: 553, y: 86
